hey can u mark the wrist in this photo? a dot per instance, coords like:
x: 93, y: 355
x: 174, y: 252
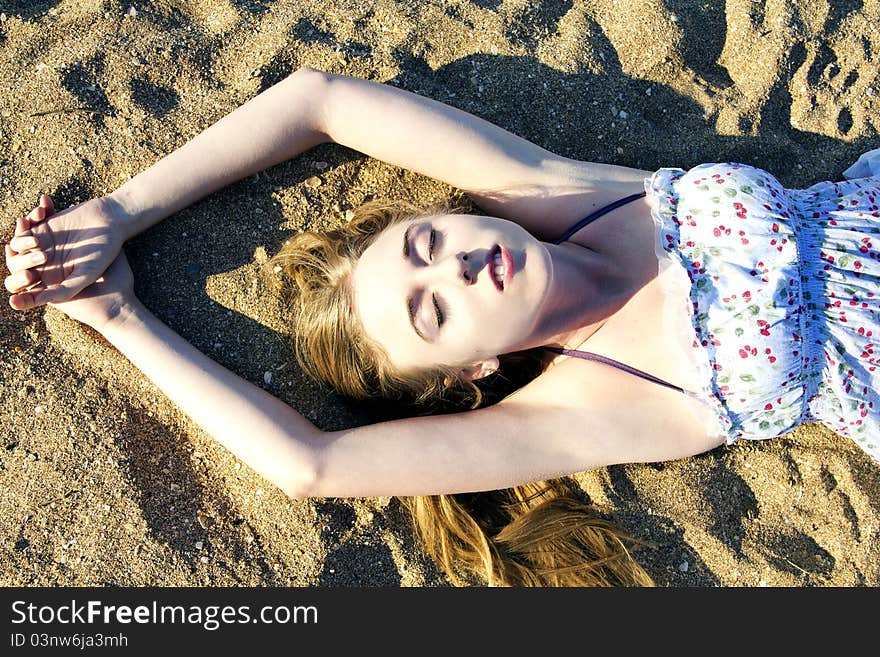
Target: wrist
x: 122, y: 315
x: 123, y: 207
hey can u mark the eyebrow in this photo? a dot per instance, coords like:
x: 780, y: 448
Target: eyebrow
x: 410, y: 307
x: 410, y: 310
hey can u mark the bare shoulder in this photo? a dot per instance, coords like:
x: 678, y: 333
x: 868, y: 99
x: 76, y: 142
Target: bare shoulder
x: 561, y: 192
x: 639, y: 421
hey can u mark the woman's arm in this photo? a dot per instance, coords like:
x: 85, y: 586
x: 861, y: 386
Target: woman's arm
x: 535, y: 434
x: 261, y: 430
x: 504, y: 174
x: 272, y: 127
x: 77, y: 244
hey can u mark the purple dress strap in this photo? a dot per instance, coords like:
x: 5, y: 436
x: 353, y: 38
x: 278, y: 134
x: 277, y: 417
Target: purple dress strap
x: 598, y: 213
x: 588, y: 355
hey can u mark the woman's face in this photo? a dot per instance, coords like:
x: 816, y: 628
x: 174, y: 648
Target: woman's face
x: 451, y: 289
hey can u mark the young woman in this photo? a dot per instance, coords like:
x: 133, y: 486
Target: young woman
x: 669, y: 311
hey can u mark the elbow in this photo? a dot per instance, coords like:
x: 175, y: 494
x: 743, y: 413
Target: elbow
x: 313, y: 85
x: 302, y: 484
x: 312, y: 76
x: 303, y: 480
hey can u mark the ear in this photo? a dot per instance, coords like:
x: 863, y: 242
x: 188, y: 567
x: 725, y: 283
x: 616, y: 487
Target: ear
x: 478, y: 370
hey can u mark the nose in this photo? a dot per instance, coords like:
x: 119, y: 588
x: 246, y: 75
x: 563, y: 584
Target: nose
x: 461, y: 267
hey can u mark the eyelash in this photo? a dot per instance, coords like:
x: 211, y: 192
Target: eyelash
x: 432, y: 241
x: 441, y: 313
x: 441, y: 316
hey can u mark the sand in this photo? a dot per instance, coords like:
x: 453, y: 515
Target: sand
x: 104, y: 482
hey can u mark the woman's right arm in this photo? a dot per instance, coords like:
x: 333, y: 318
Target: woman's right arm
x: 535, y: 434
x: 261, y: 430
x: 475, y: 450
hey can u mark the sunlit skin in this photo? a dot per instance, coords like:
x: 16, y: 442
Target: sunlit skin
x: 555, y: 294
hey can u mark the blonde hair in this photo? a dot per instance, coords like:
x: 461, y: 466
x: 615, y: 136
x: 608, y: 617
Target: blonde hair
x: 537, y: 534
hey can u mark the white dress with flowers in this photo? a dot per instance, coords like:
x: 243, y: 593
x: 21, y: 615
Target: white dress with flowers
x: 784, y: 295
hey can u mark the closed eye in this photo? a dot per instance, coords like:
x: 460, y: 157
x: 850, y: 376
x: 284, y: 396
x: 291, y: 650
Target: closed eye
x: 441, y: 313
x: 432, y: 242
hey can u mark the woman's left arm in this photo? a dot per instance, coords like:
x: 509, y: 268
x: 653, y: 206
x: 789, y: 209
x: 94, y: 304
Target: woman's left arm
x: 506, y: 175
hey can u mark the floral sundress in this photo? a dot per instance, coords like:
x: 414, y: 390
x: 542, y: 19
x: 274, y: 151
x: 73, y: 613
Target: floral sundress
x: 784, y: 296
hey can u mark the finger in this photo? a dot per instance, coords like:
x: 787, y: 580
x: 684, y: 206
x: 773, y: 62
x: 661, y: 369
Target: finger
x: 36, y: 215
x: 47, y: 203
x: 20, y: 280
x: 61, y: 292
x: 9, y: 255
x: 25, y: 243
x: 22, y: 226
x: 21, y: 261
x: 25, y: 300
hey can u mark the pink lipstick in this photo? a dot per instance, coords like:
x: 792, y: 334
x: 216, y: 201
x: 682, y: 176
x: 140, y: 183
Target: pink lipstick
x: 506, y: 260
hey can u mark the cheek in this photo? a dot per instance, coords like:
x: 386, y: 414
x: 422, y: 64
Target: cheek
x: 489, y: 322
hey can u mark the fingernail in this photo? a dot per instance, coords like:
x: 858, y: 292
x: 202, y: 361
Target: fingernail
x: 37, y: 258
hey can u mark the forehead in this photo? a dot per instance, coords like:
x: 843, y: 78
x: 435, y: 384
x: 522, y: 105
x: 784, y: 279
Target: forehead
x: 379, y: 291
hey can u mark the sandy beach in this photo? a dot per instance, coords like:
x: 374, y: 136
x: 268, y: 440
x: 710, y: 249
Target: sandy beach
x: 103, y: 481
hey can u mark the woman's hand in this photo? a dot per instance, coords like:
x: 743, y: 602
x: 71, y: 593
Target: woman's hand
x: 106, y: 300
x: 54, y: 256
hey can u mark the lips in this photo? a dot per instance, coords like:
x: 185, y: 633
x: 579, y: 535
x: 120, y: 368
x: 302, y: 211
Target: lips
x: 506, y: 260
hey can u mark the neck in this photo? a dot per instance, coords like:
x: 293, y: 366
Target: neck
x: 586, y: 289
